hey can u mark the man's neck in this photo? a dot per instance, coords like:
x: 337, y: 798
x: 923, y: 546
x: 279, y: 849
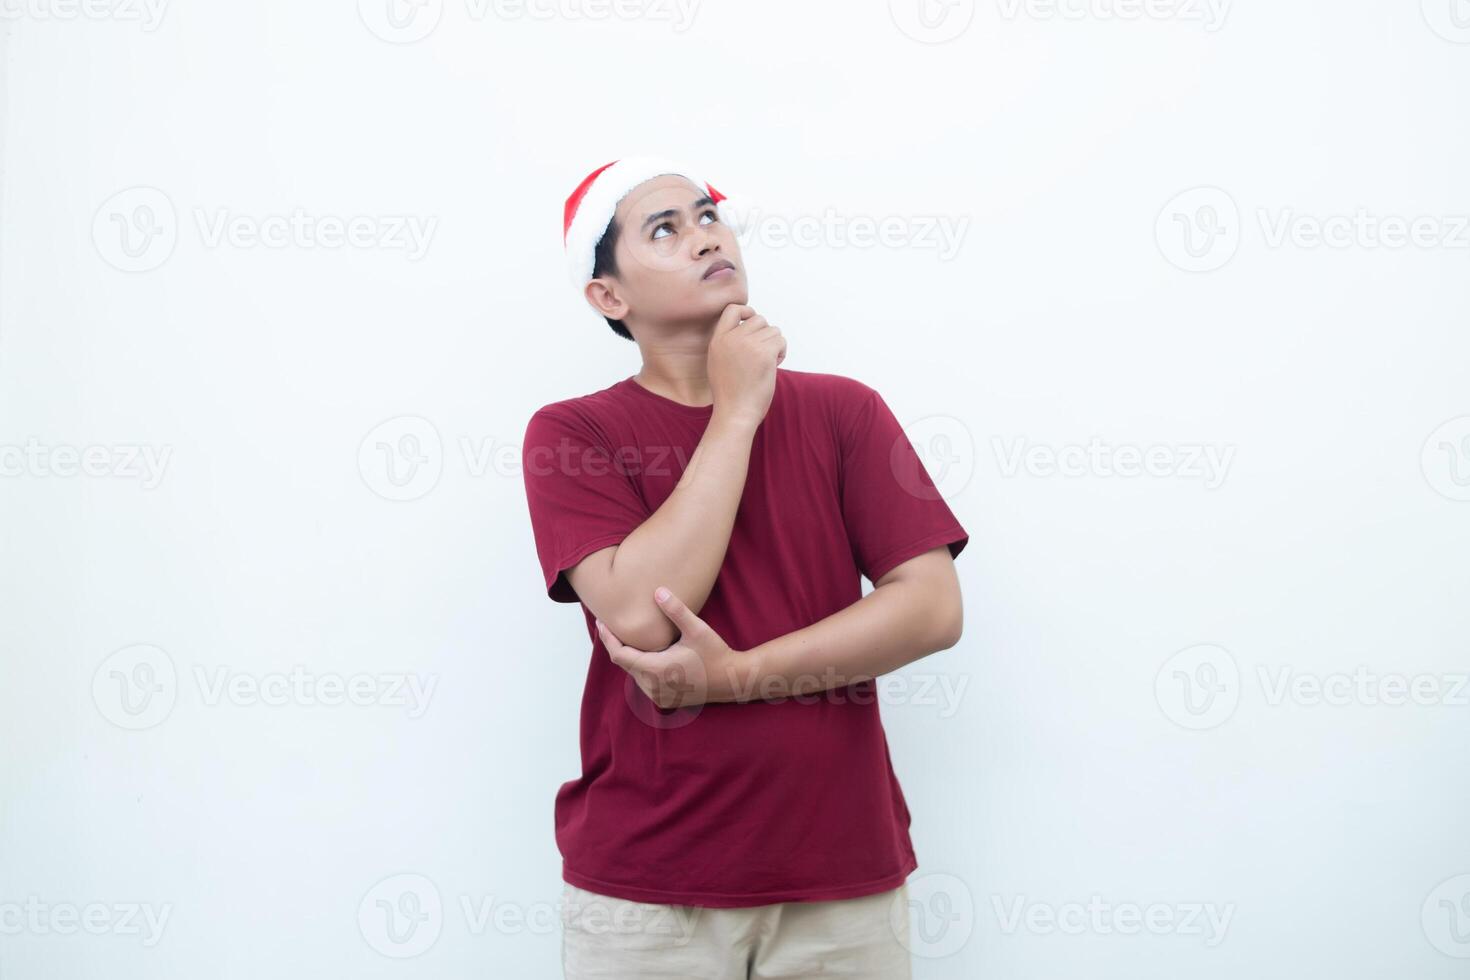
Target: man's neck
x: 678, y: 368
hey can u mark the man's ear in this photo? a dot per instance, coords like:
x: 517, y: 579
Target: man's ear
x: 604, y: 295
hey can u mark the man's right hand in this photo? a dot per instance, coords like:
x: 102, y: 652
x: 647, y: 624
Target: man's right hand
x: 743, y: 355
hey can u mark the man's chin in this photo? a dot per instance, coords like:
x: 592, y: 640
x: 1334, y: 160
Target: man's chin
x: 709, y: 306
x: 722, y: 296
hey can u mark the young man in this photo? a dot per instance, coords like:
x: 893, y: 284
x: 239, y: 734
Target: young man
x: 737, y: 815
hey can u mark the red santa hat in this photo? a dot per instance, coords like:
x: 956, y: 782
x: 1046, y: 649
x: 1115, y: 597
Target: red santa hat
x: 591, y: 206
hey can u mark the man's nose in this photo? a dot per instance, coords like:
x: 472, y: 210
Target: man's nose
x: 706, y: 244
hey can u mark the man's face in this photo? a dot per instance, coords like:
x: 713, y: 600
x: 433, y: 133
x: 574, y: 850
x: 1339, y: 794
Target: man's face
x: 669, y: 237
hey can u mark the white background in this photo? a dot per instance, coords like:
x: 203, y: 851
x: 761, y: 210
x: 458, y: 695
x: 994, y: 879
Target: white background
x: 1081, y: 762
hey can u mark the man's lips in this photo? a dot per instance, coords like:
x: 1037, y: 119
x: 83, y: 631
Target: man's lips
x: 720, y: 267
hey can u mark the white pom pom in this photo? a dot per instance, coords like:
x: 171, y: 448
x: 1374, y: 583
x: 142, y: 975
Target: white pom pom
x: 736, y: 213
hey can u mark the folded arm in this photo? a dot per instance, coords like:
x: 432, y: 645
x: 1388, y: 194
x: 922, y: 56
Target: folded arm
x: 914, y: 610
x: 681, y: 545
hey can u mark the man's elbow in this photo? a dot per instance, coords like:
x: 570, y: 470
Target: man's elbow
x: 643, y: 629
x: 950, y: 621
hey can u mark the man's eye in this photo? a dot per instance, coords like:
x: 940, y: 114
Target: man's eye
x: 710, y: 213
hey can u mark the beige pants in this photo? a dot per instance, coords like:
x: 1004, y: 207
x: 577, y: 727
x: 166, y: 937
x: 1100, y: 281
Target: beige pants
x: 616, y: 939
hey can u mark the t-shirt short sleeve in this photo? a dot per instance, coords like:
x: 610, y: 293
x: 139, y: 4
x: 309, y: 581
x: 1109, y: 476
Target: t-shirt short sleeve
x: 892, y: 509
x: 580, y: 498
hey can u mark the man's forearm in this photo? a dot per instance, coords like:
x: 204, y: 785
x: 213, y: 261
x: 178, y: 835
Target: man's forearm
x: 895, y: 624
x: 683, y: 543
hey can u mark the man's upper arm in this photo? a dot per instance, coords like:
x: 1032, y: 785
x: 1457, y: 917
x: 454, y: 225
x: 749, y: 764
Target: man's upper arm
x: 591, y: 579
x: 581, y: 501
x: 932, y: 567
x: 932, y: 574
x: 891, y: 508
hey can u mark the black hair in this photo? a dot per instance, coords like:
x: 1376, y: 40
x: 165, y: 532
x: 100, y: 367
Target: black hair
x: 604, y: 263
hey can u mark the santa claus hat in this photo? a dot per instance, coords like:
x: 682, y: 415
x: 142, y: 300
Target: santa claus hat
x: 591, y: 206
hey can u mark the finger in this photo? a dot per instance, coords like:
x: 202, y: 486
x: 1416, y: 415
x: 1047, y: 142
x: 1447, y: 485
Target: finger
x: 730, y: 319
x: 679, y: 614
x: 773, y: 343
x: 621, y: 654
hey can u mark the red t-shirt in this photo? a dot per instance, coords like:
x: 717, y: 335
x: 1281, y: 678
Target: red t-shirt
x: 744, y: 803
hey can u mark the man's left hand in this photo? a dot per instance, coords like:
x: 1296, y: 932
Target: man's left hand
x: 697, y: 668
